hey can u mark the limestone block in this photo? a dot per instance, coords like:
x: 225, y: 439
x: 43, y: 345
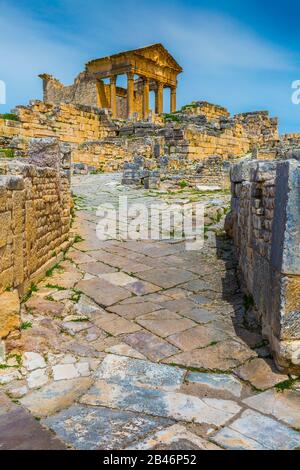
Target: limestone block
x: 9, y: 312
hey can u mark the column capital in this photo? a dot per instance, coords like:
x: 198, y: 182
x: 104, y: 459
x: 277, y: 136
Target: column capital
x: 130, y: 75
x: 113, y: 79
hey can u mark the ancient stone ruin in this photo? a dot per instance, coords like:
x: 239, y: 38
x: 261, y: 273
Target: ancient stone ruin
x: 205, y: 339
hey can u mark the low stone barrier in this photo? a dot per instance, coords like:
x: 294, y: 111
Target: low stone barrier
x: 34, y: 230
x: 265, y: 225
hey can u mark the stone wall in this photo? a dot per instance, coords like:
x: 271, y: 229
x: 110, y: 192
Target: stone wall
x: 71, y: 124
x: 265, y: 225
x: 34, y: 224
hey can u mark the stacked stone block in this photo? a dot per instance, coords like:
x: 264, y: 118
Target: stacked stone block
x: 265, y: 225
x: 34, y: 224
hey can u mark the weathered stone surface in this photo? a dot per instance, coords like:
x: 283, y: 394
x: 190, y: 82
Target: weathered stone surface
x: 284, y: 405
x: 55, y: 396
x: 37, y: 378
x: 221, y: 382
x: 222, y: 356
x: 201, y: 315
x: 123, y: 349
x: 166, y: 277
x: 102, y: 292
x: 174, y: 437
x: 90, y: 428
x: 96, y: 267
x: 32, y: 361
x: 255, y: 431
x: 160, y: 403
x: 118, y: 279
x: 116, y: 325
x: 135, y: 371
x: 14, y: 420
x: 8, y: 375
x: 164, y: 323
x: 261, y: 373
x: 45, y: 307
x: 151, y: 346
x: 9, y: 312
x: 65, y: 371
x: 131, y: 311
x: 197, y: 337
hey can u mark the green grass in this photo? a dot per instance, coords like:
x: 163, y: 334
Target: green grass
x: 33, y: 288
x: 78, y: 239
x: 50, y: 271
x: 286, y: 384
x: 25, y: 325
x: 76, y: 295
x: 55, y: 286
x: 183, y: 184
x: 171, y: 117
x: 7, y: 153
x: 49, y: 298
x: 9, y: 117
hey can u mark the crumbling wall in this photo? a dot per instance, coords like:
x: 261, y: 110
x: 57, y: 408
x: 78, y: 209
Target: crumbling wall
x: 71, y: 124
x: 34, y: 221
x: 211, y: 111
x: 265, y: 225
x: 84, y: 91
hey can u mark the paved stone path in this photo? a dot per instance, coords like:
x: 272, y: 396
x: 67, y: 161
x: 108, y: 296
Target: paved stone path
x: 143, y: 345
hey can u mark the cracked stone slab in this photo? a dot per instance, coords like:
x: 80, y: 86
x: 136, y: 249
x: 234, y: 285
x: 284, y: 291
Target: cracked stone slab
x: 131, y: 311
x: 123, y: 349
x: 222, y: 382
x: 256, y: 432
x: 97, y: 268
x: 198, y: 337
x: 202, y: 315
x: 166, y: 277
x: 222, y: 356
x: 151, y: 346
x: 164, y: 323
x: 175, y: 437
x: 55, y: 396
x: 135, y: 371
x: 115, y: 325
x: 156, y: 402
x: 261, y: 373
x: 14, y: 420
x: 90, y: 428
x: 103, y: 292
x: 283, y: 405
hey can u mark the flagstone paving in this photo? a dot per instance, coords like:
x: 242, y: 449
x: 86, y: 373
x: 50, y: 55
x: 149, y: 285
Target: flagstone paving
x: 131, y: 344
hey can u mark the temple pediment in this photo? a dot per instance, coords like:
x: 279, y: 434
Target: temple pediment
x: 158, y: 54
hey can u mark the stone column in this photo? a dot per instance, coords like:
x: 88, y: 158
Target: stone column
x: 113, y: 96
x: 145, y: 98
x: 130, y: 94
x: 159, y: 98
x: 173, y: 99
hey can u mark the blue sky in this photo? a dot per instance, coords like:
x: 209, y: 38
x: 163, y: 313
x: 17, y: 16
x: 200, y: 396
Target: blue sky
x: 242, y: 56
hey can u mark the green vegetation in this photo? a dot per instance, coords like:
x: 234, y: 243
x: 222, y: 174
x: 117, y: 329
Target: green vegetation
x: 55, y: 286
x: 183, y: 184
x: 78, y: 239
x: 286, y: 384
x: 51, y: 270
x: 76, y: 295
x: 25, y: 325
x: 9, y: 117
x: 7, y: 153
x: 171, y: 117
x: 33, y: 288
